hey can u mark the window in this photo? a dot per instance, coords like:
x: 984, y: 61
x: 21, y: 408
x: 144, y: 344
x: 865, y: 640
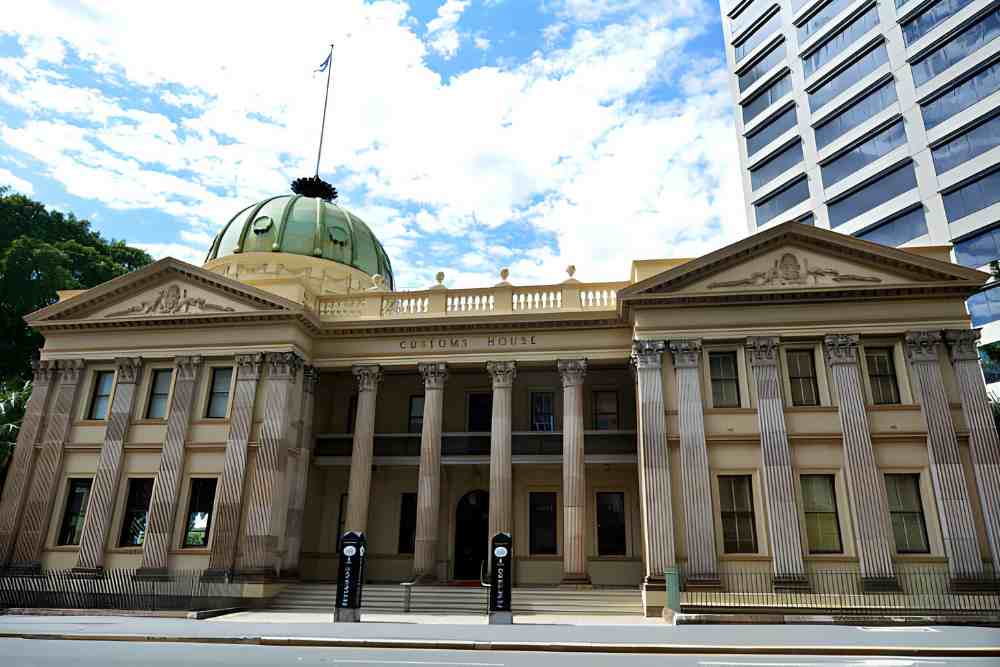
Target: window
x: 749, y: 13
x: 898, y: 230
x: 819, y: 500
x: 543, y: 411
x: 821, y: 18
x: 542, y: 522
x: 802, y: 377
x: 978, y: 86
x: 774, y: 92
x: 352, y: 413
x: 480, y: 412
x: 970, y: 40
x: 857, y: 113
x: 978, y: 250
x: 863, y: 154
x: 847, y: 77
x: 416, y: 421
x: 757, y: 37
x: 140, y: 492
x: 739, y: 529
x: 770, y: 131
x: 606, y: 410
x: 907, y: 513
x: 882, y: 375
x: 159, y: 392
x: 929, y: 18
x: 984, y: 307
x: 218, y: 398
x: 968, y: 145
x: 725, y: 379
x: 407, y: 523
x: 840, y: 40
x: 776, y: 165
x: 884, y: 188
x: 779, y: 202
x: 762, y: 66
x: 807, y: 219
x: 199, y: 514
x: 611, y: 523
x: 101, y: 398
x: 974, y: 196
x: 76, y: 509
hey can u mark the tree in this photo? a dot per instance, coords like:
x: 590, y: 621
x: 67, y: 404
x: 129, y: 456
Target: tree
x: 13, y: 401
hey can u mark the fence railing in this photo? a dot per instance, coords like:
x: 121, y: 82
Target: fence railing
x: 524, y: 443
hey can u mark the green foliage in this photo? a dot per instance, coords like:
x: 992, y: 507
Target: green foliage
x: 13, y: 400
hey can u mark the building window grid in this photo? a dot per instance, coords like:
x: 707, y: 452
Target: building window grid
x: 974, y: 37
x: 218, y: 396
x: 963, y: 94
x: 779, y: 202
x: 859, y: 111
x: 136, y: 515
x: 864, y: 153
x: 100, y: 399
x: 762, y: 66
x: 886, y: 187
x: 819, y: 502
x: 907, y: 513
x: 543, y: 418
x: 770, y: 131
x: 606, y: 410
x: 776, y: 165
x: 848, y: 76
x: 745, y: 17
x: 930, y: 17
x: 159, y: 393
x: 542, y: 523
x: 882, y: 375
x: 839, y: 41
x: 802, y: 377
x: 781, y: 87
x: 897, y: 230
x: 974, y: 196
x: 979, y: 249
x: 74, y: 511
x: 198, y: 521
x: 968, y: 145
x: 759, y: 35
x: 724, y: 374
x: 739, y: 526
x: 415, y: 422
x: 819, y: 19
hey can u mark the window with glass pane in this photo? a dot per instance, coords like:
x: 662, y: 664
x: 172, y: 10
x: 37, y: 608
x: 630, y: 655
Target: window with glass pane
x: 802, y: 377
x: 984, y: 307
x: 896, y: 182
x: 777, y: 90
x: 907, y: 513
x: 480, y: 412
x: 898, y: 230
x: 968, y: 145
x: 542, y: 522
x: 158, y: 394
x: 819, y: 500
x: 857, y: 113
x: 407, y: 523
x: 930, y: 17
x: 543, y: 411
x: 758, y: 36
x: 101, y: 398
x: 978, y: 250
x: 965, y: 43
x: 140, y: 492
x: 611, y: 523
x: 199, y: 514
x: 973, y: 88
x: 725, y: 379
x: 749, y: 13
x: 840, y: 40
x: 74, y: 512
x: 606, y: 410
x: 847, y: 77
x: 821, y: 18
x: 860, y: 156
x: 739, y: 529
x: 218, y: 397
x: 781, y: 201
x: 974, y: 196
x: 882, y: 375
x: 762, y: 66
x: 807, y: 219
x: 776, y: 165
x: 774, y: 128
x: 416, y: 420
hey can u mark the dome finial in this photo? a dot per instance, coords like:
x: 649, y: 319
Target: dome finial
x: 314, y: 186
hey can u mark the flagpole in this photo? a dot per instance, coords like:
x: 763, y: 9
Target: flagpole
x: 326, y: 99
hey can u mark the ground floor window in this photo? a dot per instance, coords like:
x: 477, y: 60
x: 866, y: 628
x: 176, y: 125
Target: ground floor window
x: 199, y: 514
x: 739, y: 529
x: 611, y: 523
x: 542, y: 522
x: 819, y: 500
x: 407, y: 523
x: 907, y: 513
x: 140, y: 492
x: 76, y: 510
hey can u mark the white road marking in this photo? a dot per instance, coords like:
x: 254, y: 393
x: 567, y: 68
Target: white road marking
x: 419, y: 662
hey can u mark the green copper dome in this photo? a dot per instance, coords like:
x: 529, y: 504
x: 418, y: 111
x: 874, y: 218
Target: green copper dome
x: 302, y: 225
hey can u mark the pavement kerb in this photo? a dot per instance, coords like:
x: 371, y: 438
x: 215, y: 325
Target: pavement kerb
x: 568, y: 647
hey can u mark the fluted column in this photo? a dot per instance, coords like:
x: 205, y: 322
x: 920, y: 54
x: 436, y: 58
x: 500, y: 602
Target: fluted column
x: 574, y: 473
x: 429, y: 475
x: 230, y: 493
x: 359, y: 487
x: 109, y: 465
x: 300, y: 460
x: 502, y: 374
x: 951, y: 492
x: 696, y: 478
x: 265, y: 524
x: 166, y: 488
x: 22, y: 463
x: 654, y: 463
x: 779, y: 482
x: 48, y: 467
x: 865, y: 483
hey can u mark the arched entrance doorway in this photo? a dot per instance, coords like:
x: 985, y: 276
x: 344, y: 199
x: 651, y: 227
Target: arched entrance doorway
x: 471, y: 534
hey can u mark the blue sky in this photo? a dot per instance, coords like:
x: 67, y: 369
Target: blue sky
x: 470, y: 134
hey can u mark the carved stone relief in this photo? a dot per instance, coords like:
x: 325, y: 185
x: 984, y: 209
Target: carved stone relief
x: 789, y: 270
x: 172, y: 300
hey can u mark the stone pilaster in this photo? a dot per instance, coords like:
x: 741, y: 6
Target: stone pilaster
x: 359, y: 487
x: 300, y: 460
x: 865, y: 483
x: 951, y: 492
x: 22, y: 462
x: 779, y: 482
x: 104, y: 490
x: 230, y: 491
x: 48, y: 467
x: 574, y: 473
x: 265, y: 523
x: 696, y: 478
x: 166, y: 489
x: 429, y: 474
x: 501, y: 495
x: 984, y: 443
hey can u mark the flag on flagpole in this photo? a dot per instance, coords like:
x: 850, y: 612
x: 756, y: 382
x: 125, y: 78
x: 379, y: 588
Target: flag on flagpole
x: 326, y: 63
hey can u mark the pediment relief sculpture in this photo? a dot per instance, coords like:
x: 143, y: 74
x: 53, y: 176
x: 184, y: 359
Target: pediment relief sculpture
x: 172, y: 300
x: 790, y: 271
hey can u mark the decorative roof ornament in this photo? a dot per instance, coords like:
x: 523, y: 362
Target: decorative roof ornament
x: 314, y: 186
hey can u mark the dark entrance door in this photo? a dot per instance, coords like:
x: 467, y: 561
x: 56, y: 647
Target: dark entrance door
x: 471, y: 534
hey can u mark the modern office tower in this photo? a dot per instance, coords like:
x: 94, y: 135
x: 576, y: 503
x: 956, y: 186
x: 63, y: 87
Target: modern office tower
x: 879, y: 119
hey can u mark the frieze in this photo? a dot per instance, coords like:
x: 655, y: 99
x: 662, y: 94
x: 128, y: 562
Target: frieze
x: 172, y: 300
x: 790, y: 271
x: 468, y: 342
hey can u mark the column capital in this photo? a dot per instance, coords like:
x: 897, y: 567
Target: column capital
x: 922, y: 346
x: 763, y: 350
x: 43, y: 372
x: 435, y: 374
x: 129, y: 369
x: 572, y: 371
x: 648, y: 353
x: 187, y: 367
x: 283, y: 365
x: 248, y: 366
x: 686, y: 353
x: 368, y: 376
x: 70, y: 370
x: 502, y: 372
x: 310, y: 378
x: 963, y: 344
x: 841, y: 349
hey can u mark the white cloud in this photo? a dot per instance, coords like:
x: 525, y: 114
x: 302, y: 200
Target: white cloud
x: 441, y: 32
x: 481, y: 43
x: 179, y: 251
x: 16, y: 183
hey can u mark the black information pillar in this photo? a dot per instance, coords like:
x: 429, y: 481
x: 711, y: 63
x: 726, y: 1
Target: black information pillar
x: 501, y: 571
x: 351, y: 573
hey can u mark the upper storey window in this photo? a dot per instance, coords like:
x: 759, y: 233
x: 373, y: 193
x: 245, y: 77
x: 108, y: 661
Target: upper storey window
x: 847, y: 77
x: 758, y: 36
x: 816, y: 22
x: 864, y: 199
x: 774, y: 128
x: 840, y: 40
x: 864, y: 154
x: 765, y: 64
x: 101, y: 398
x: 802, y: 377
x: 776, y: 165
x: 978, y: 250
x: 882, y: 375
x: 965, y: 43
x: 857, y: 113
x: 973, y: 88
x: 972, y: 197
x: 767, y: 97
x: 898, y: 230
x: 968, y: 145
x: 725, y: 379
x: 218, y: 398
x: 781, y: 201
x: 931, y: 17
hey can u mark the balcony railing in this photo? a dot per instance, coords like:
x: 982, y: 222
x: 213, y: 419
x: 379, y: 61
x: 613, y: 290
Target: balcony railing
x: 523, y: 443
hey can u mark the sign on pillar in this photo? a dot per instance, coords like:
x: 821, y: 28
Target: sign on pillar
x: 350, y: 578
x: 501, y: 577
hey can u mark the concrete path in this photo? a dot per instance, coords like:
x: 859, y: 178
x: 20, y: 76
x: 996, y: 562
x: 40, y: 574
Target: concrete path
x: 433, y: 619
